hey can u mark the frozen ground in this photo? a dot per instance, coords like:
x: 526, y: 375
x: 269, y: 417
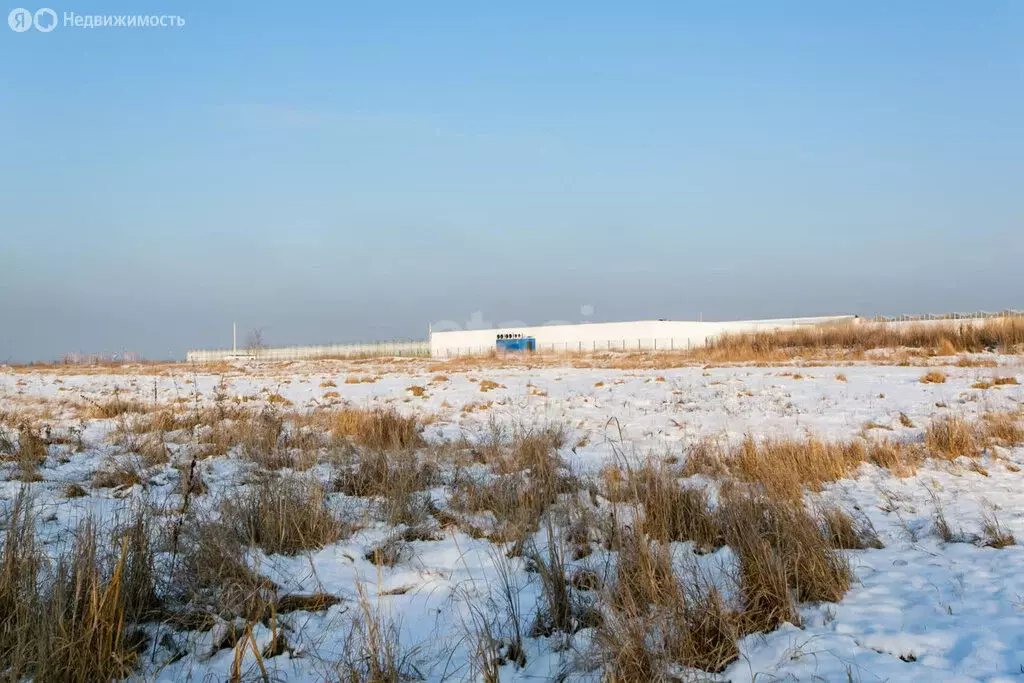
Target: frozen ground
x: 920, y: 609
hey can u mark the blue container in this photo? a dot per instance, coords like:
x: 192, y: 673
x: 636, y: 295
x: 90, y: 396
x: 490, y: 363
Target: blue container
x: 514, y: 341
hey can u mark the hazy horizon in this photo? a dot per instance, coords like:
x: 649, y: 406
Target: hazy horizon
x: 355, y: 173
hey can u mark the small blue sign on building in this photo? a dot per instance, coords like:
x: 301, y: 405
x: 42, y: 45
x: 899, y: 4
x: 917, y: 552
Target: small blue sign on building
x: 515, y: 341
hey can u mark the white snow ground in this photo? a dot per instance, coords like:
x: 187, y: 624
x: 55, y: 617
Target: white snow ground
x: 919, y: 610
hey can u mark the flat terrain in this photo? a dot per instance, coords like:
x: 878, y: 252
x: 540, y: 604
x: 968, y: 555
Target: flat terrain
x: 466, y: 506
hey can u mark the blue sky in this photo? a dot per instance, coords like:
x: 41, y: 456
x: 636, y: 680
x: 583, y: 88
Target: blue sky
x: 338, y: 171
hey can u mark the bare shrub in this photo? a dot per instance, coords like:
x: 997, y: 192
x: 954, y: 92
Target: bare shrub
x: 933, y: 377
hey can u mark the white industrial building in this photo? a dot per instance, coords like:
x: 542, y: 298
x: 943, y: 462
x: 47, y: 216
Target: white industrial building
x: 641, y: 335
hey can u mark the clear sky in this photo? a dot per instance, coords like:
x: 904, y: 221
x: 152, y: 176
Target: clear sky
x: 334, y: 171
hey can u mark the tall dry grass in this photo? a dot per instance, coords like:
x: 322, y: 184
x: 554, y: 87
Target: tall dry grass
x: 999, y: 334
x: 79, y: 620
x: 785, y: 466
x: 283, y: 515
x: 526, y: 477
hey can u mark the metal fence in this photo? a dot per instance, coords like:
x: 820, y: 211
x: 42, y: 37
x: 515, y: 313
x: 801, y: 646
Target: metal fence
x: 372, y: 350
x: 977, y: 315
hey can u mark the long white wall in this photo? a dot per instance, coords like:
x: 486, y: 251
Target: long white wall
x: 660, y: 335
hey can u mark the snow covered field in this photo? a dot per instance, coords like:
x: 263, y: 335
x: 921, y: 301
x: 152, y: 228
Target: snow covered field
x: 919, y: 608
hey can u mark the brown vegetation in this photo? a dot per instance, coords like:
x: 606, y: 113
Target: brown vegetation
x: 79, y: 621
x: 283, y: 515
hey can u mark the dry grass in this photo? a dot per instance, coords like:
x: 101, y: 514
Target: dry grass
x: 561, y: 608
x: 670, y: 511
x: 993, y: 535
x: 655, y: 619
x: 212, y: 574
x: 529, y: 476
x: 390, y: 552
x: 1003, y: 334
x: 124, y: 472
x: 487, y: 385
x: 360, y: 379
x: 373, y: 652
x: 994, y: 382
x: 787, y: 467
x: 399, y: 479
x: 933, y: 377
x: 78, y: 621
x: 114, y: 407
x: 1003, y: 428
x: 783, y: 555
x: 949, y: 437
x: 843, y: 531
x: 969, y: 362
x: 29, y: 451
x: 284, y: 515
x: 943, y: 528
x: 902, y: 459
x: 380, y: 429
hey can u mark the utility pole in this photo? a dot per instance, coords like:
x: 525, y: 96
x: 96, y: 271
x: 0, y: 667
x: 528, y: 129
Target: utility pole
x: 234, y: 339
